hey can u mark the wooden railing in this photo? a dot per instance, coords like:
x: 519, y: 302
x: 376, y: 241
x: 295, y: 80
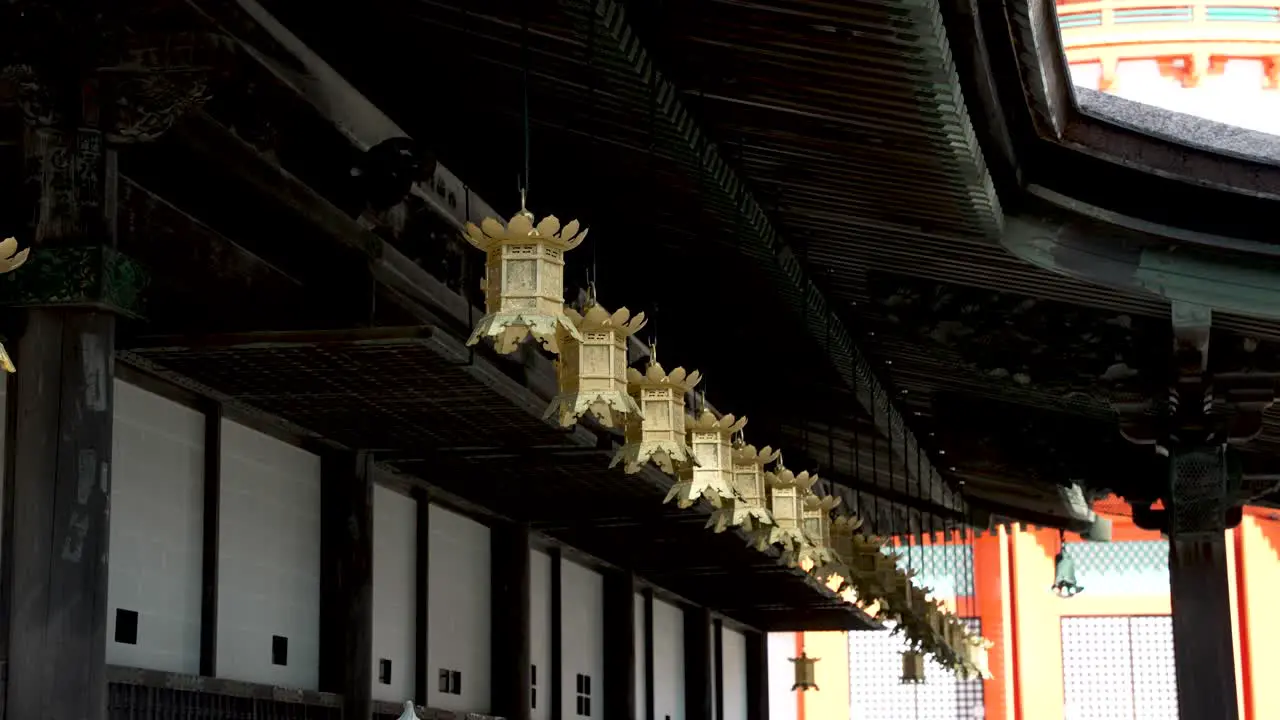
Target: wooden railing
x: 1191, y: 38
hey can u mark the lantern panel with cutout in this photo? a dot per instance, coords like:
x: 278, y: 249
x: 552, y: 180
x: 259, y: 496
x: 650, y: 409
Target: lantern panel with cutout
x: 748, y: 507
x: 592, y: 368
x: 657, y: 434
x: 711, y: 439
x: 524, y: 280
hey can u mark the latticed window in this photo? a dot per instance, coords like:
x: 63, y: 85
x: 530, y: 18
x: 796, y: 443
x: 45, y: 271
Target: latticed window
x: 1119, y: 668
x: 875, y: 666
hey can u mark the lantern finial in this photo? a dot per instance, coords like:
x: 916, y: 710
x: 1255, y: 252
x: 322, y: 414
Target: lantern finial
x: 524, y: 279
x: 657, y: 434
x: 592, y: 369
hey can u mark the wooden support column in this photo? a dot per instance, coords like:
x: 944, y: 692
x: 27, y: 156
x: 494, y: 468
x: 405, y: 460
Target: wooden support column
x: 57, y: 524
x: 620, y: 654
x: 717, y: 664
x: 757, y: 676
x: 210, y: 540
x: 510, y: 656
x: 346, y: 581
x: 650, y: 697
x: 557, y: 636
x: 698, y: 686
x: 422, y: 598
x: 1204, y: 655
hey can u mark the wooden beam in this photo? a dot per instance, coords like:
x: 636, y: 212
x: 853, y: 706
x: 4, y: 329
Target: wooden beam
x: 210, y: 540
x: 510, y: 621
x: 282, y: 339
x: 346, y: 581
x: 58, y: 526
x: 698, y: 687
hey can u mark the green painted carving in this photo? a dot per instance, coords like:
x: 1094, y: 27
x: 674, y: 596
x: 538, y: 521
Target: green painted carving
x: 93, y: 276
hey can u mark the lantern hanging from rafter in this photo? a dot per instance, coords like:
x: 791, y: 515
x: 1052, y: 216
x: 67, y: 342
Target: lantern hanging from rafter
x: 748, y: 507
x: 657, y: 434
x: 817, y: 524
x: 711, y: 439
x: 806, y: 675
x: 524, y: 280
x: 786, y: 504
x: 10, y: 259
x: 912, y: 667
x: 840, y: 551
x: 592, y: 368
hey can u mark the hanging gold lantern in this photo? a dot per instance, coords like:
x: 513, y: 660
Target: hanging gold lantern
x: 711, y: 438
x: 786, y: 504
x: 912, y: 667
x: 10, y: 259
x: 592, y: 368
x: 817, y: 523
x: 657, y: 434
x: 524, y: 280
x: 747, y: 508
x: 806, y: 675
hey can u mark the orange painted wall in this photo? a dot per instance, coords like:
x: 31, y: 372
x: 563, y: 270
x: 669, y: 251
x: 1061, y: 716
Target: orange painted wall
x: 1013, y: 571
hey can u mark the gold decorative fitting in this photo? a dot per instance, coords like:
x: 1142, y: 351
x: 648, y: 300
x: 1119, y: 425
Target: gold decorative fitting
x: 524, y: 280
x: 10, y: 259
x: 592, y: 368
x: 711, y: 439
x: 657, y: 434
x: 748, y: 507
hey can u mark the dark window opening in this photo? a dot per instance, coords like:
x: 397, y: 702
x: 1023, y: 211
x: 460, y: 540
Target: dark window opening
x: 384, y: 671
x: 533, y: 687
x: 279, y: 650
x: 584, y: 695
x: 126, y: 626
x: 450, y: 682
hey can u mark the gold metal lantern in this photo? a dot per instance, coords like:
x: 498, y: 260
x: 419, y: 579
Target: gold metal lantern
x: 748, y: 507
x: 711, y: 439
x: 912, y: 667
x: 524, y: 280
x: 787, y: 491
x: 592, y: 368
x: 10, y: 259
x: 806, y: 675
x: 657, y: 434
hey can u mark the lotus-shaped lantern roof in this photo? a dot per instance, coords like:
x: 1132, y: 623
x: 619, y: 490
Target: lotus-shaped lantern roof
x: 846, y: 524
x: 707, y: 422
x: 656, y: 376
x: 744, y: 454
x: 521, y: 229
x: 10, y: 257
x: 597, y: 319
x: 784, y: 478
x: 826, y: 503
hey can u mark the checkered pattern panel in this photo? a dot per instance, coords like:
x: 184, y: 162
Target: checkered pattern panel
x: 876, y: 691
x: 1122, y: 568
x: 1118, y: 668
x: 948, y: 569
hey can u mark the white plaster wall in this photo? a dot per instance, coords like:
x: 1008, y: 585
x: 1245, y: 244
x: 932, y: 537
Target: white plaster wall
x: 395, y: 555
x: 734, y: 666
x: 582, y: 636
x: 458, y: 610
x: 642, y: 690
x: 269, y: 561
x: 668, y: 661
x: 156, y: 535
x: 540, y: 632
x: 782, y: 702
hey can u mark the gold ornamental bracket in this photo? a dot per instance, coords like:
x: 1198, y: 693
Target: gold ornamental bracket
x: 657, y: 434
x: 711, y: 439
x: 748, y: 508
x: 591, y: 371
x: 11, y: 258
x: 524, y: 280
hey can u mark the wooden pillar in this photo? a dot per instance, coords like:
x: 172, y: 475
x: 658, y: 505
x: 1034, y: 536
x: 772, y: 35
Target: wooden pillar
x: 510, y: 657
x: 757, y: 676
x: 620, y: 655
x: 717, y: 664
x: 698, y: 686
x: 650, y: 697
x: 346, y: 581
x: 1204, y: 655
x: 557, y: 636
x: 57, y: 508
x: 210, y: 541
x: 422, y: 598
